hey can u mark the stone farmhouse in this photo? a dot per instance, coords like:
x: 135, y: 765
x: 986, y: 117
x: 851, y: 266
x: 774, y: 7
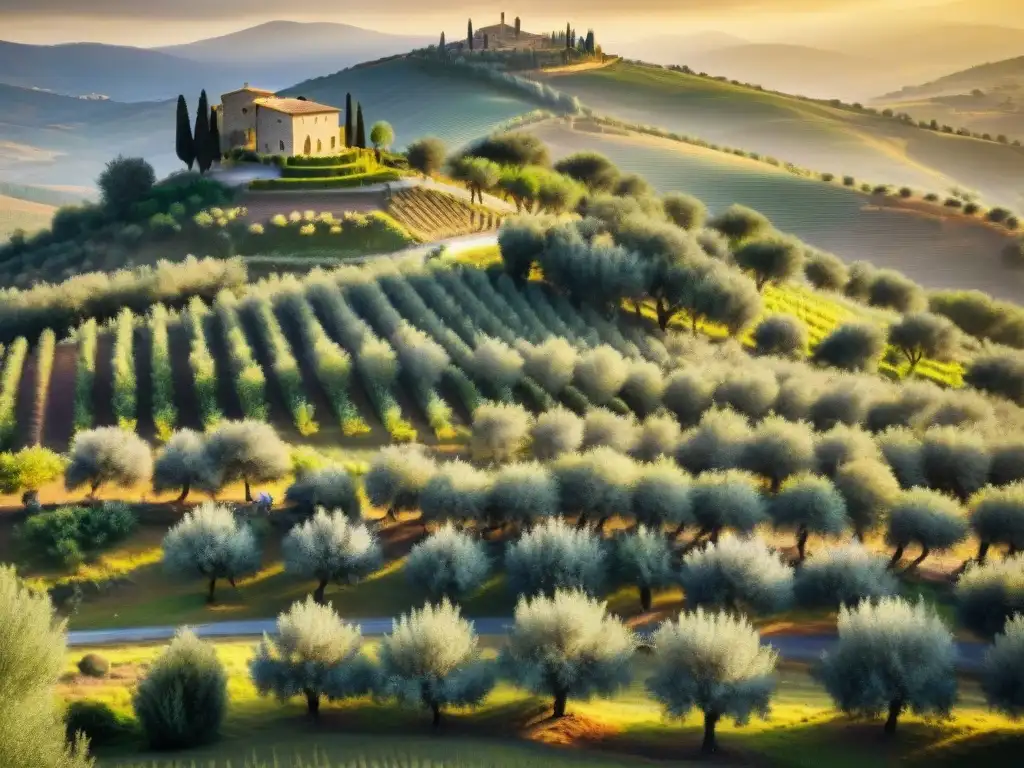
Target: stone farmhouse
x: 256, y: 119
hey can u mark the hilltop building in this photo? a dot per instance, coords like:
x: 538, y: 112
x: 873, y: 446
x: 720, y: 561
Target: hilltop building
x: 256, y: 119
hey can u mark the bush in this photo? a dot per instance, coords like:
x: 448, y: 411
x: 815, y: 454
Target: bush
x: 550, y: 363
x: 842, y: 444
x: 843, y: 576
x: 688, y: 394
x: 397, y: 476
x: 520, y: 494
x: 774, y: 260
x: 737, y: 575
x: 97, y: 722
x: 661, y: 496
x: 72, y: 535
x: 954, y: 461
x: 331, y: 488
x: 330, y: 548
x: 93, y: 665
x: 750, y: 391
x: 684, y: 211
x: 107, y: 455
x: 1002, y: 671
x: 740, y: 223
x: 596, y: 171
x: 852, y: 347
x: 29, y: 469
x: 924, y: 517
x: 999, y: 374
x: 604, y: 429
x: 383, y: 176
x: 912, y: 646
x: 600, y: 374
x: 555, y: 556
x: 448, y: 564
x: 124, y: 182
x: 182, y: 700
x: 427, y: 155
x: 781, y: 336
x: 894, y: 290
x: 456, y: 491
x: 643, y: 387
x: 988, y: 595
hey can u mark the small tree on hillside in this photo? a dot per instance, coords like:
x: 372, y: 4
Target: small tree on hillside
x: 891, y: 657
x: 826, y: 271
x: 739, y: 223
x: 594, y: 170
x: 397, y: 476
x: 183, y: 144
x: 605, y: 429
x: 556, y: 432
x: 997, y: 517
x: 521, y: 241
x: 737, y: 574
x: 713, y: 662
x: 250, y: 451
x: 125, y: 182
x: 781, y: 336
x: 809, y: 504
x: 330, y: 548
x: 923, y: 334
x: 841, y: 445
x: 201, y: 136
x: 852, y: 347
x: 716, y: 443
x: 522, y: 493
x: 210, y: 542
x: 927, y: 518
x: 988, y: 595
x: 500, y: 432
x: 447, y: 564
x: 869, y: 489
x: 382, y: 135
x: 684, y: 211
x: 554, y: 556
x: 1002, y: 672
x: 431, y: 659
x: 643, y: 558
x: 774, y: 260
x: 777, y: 450
x: 427, y: 155
x: 360, y: 128
x: 350, y: 126
x: 457, y: 491
x: 313, y: 654
x: 182, y: 464
x: 595, y: 485
x: 568, y: 646
x: 843, y: 575
x: 331, y: 488
x: 107, y: 455
x: 661, y: 496
x: 955, y: 461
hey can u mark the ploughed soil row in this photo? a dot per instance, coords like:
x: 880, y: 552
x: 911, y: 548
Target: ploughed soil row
x: 185, y: 399
x: 142, y: 349
x: 27, y: 418
x: 103, y: 383
x: 226, y: 394
x: 59, y: 422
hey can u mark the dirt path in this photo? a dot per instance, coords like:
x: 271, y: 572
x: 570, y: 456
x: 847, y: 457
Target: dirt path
x: 185, y: 398
x: 103, y: 384
x: 27, y: 416
x: 262, y: 206
x: 142, y: 348
x: 280, y: 414
x: 226, y: 394
x: 59, y: 423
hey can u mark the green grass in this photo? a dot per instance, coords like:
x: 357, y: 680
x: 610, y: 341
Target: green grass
x: 334, y: 182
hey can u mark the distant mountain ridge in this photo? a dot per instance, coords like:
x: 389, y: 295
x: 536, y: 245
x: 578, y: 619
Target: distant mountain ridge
x: 996, y: 74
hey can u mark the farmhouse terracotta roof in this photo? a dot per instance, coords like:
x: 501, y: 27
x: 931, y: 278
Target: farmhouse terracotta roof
x: 295, y: 106
x: 248, y: 89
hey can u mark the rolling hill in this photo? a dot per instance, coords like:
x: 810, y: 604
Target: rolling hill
x: 992, y: 76
x: 16, y: 213
x: 810, y: 134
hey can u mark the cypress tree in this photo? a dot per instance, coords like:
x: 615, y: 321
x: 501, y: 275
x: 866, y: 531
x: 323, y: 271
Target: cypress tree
x: 183, y: 145
x: 201, y: 137
x: 360, y: 128
x: 349, y: 117
x: 442, y: 46
x: 568, y: 34
x: 518, y: 27
x: 590, y: 41
x: 214, y: 136
x: 469, y: 34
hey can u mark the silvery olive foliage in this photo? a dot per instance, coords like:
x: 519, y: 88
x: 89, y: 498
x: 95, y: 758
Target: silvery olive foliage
x: 209, y: 542
x: 107, y: 455
x: 891, y: 657
x: 902, y: 451
x: 313, y: 654
x: 331, y: 548
x: 750, y: 391
x: 843, y: 400
x: 556, y: 432
x: 551, y: 363
x: 247, y: 451
x: 688, y: 394
x: 567, y: 646
x: 809, y: 504
x: 843, y: 575
x: 869, y: 489
x: 643, y: 557
x: 661, y: 496
x: 457, y: 491
x: 1002, y: 671
x: 397, y: 476
x: 778, y: 449
x: 643, y: 387
x: 730, y: 499
x: 955, y: 461
x: 447, y: 564
x: 716, y: 443
x: 422, y: 360
x: 432, y: 660
x: 713, y: 662
x: 331, y: 488
x: 522, y: 493
x: 602, y: 427
x: 601, y: 373
x: 842, y: 444
x: 1007, y: 461
x: 737, y: 574
x: 658, y: 436
x: 997, y: 517
x: 182, y: 465
x: 781, y: 336
x: 554, y: 555
x: 497, y: 363
x: 596, y: 484
x: 500, y: 431
x: 931, y: 520
x: 852, y: 347
x: 988, y: 595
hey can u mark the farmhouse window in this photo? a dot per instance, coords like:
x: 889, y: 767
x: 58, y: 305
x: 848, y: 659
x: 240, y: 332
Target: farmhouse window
x: 282, y: 144
x: 245, y: 111
x: 333, y: 140
x: 319, y: 146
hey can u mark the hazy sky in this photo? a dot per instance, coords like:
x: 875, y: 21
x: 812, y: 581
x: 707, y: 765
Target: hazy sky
x: 162, y: 22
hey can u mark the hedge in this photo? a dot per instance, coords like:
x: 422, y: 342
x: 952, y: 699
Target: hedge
x: 307, y: 162
x: 337, y: 182
x: 324, y: 171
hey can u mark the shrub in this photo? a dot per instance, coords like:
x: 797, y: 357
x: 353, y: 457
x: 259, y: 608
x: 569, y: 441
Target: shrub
x: 955, y: 461
x: 774, y: 260
x: 927, y: 518
x: 312, y: 654
x: 600, y: 374
x: 658, y: 436
x: 739, y: 223
x: 209, y: 541
x: 71, y: 535
x: 331, y: 488
x: 869, y: 489
x: 999, y: 374
x: 431, y: 659
x: 737, y: 574
x: 988, y: 595
x: 778, y: 449
x: 642, y: 390
x: 556, y: 432
x: 567, y: 645
x: 29, y: 469
x: 922, y: 334
x: 96, y: 721
x: 183, y: 698
x: 107, y: 455
x: 397, y: 476
x: 550, y: 363
x: 554, y: 556
x: 861, y: 276
x: 605, y: 429
x: 497, y: 364
x: 842, y: 444
x: 330, y: 548
x: 124, y: 182
x: 596, y: 171
x: 1002, y: 672
x: 902, y: 451
x: 1007, y: 461
x: 684, y: 211
x: 997, y: 517
x: 249, y: 451
x: 642, y: 557
x: 661, y: 496
x: 183, y: 464
x: 750, y: 391
x: 782, y: 336
x: 595, y: 485
x: 843, y: 576
x: 713, y: 662
x: 93, y: 665
x: 809, y: 504
x: 448, y: 564
x: 688, y: 394
x: 852, y: 347
x: 891, y: 656
x: 499, y: 432
x: 893, y: 290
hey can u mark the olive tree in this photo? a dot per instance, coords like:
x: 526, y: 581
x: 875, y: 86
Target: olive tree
x: 659, y: 436
x: 922, y: 334
x: 901, y: 449
x: 594, y: 170
x: 997, y: 517
x: 330, y: 547
x: 604, y: 429
x: 770, y: 260
x: 826, y: 271
x: 600, y: 373
x: 1002, y: 671
x: 331, y: 488
x: 893, y: 290
x: 431, y: 659
x: 522, y: 493
x: 209, y: 542
x: 182, y: 465
x: 869, y: 489
x: 497, y: 364
x: 684, y: 211
x: 721, y: 295
x: 739, y: 223
x: 642, y: 557
x: 716, y: 443
x: 928, y: 518
x: 781, y: 336
x: 751, y: 391
x: 107, y: 455
x: 809, y: 504
x: 426, y: 155
x: 555, y: 432
x: 955, y: 461
x: 567, y: 645
x: 447, y: 564
x: 457, y: 491
x: 550, y: 363
x: 988, y: 595
x: 689, y: 394
x: 397, y: 476
x: 595, y: 485
x: 713, y: 662
x: 554, y: 555
x: 643, y: 387
x: 843, y: 575
x: 32, y: 656
x: 661, y: 496
x: 998, y: 373
x: 852, y: 347
x: 842, y: 444
x: 891, y: 656
x: 737, y: 574
x: 777, y: 450
x: 250, y: 451
x: 521, y: 242
x: 729, y: 499
x: 313, y: 654
x: 843, y: 400
x: 500, y: 431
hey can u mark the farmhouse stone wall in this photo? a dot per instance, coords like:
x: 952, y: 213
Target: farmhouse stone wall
x: 322, y: 132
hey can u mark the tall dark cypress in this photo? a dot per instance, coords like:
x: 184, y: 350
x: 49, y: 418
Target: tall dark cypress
x: 518, y: 27
x: 469, y: 34
x: 215, y: 150
x: 360, y: 128
x: 568, y: 32
x: 442, y: 42
x: 349, y: 124
x: 183, y: 145
x: 201, y: 136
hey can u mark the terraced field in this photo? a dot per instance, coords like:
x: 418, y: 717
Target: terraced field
x: 936, y: 252
x: 812, y: 135
x: 433, y: 215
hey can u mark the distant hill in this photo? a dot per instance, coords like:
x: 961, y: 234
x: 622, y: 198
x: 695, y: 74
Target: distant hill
x: 998, y: 75
x: 677, y: 48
